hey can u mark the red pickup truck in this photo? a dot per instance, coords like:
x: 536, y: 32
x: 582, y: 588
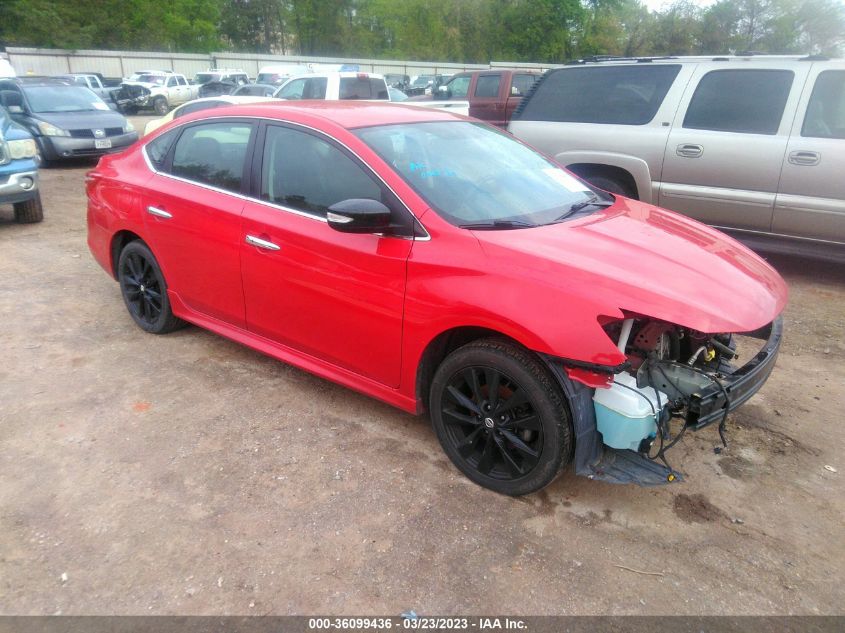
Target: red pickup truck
x: 489, y: 95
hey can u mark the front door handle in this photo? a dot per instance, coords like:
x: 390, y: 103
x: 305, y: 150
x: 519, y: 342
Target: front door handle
x: 265, y: 244
x: 805, y: 158
x: 161, y: 213
x: 689, y: 150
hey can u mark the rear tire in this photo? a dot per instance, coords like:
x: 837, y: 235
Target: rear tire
x: 501, y: 417
x: 144, y: 290
x: 29, y: 211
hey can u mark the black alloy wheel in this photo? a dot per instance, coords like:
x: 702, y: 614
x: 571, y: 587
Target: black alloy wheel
x: 144, y: 290
x: 500, y: 417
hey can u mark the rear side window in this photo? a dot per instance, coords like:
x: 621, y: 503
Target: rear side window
x: 315, y: 88
x: 623, y: 95
x: 157, y: 148
x: 305, y: 172
x: 487, y: 86
x: 213, y: 154
x: 749, y: 101
x: 521, y: 84
x: 825, y: 116
x: 362, y: 88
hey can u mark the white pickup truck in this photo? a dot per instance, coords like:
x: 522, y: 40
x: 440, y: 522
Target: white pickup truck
x: 156, y: 90
x: 335, y: 86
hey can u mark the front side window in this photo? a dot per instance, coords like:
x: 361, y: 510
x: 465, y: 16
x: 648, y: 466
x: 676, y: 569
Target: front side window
x: 749, y: 101
x: 181, y: 81
x: 459, y: 86
x: 825, y: 116
x: 622, y: 95
x: 304, y: 172
x: 488, y: 86
x: 292, y: 89
x: 213, y: 154
x: 171, y: 81
x: 471, y: 174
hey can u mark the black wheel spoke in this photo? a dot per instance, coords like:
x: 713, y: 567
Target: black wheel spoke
x: 462, y: 400
x: 460, y: 418
x: 531, y: 423
x: 471, y: 376
x: 154, y: 294
x: 485, y: 464
x: 519, y: 444
x: 492, y: 377
x: 133, y: 268
x: 467, y: 445
x: 518, y: 398
x: 515, y: 468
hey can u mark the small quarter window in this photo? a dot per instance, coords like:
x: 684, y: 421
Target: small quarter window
x: 157, y: 148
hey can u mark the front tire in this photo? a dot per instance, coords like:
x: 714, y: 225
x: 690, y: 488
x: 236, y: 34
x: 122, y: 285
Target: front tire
x: 160, y: 106
x: 144, y: 290
x: 501, y: 417
x: 29, y: 211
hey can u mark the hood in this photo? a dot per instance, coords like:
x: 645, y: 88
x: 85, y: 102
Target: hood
x: 141, y: 84
x: 643, y: 259
x: 83, y: 120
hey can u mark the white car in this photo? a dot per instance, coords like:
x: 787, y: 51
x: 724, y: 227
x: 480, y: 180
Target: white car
x: 157, y: 90
x: 200, y: 104
x: 335, y: 86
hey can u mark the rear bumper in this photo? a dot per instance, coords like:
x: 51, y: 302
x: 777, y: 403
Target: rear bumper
x: 709, y: 404
x: 18, y: 187
x: 60, y: 147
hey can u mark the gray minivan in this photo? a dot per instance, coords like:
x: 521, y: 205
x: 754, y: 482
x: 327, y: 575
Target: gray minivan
x: 754, y: 145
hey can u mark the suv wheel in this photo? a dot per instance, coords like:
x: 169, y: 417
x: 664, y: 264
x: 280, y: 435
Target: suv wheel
x: 501, y: 417
x: 29, y: 211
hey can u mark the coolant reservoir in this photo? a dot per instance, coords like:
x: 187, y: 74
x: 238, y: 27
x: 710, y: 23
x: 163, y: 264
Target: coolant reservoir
x: 623, y: 414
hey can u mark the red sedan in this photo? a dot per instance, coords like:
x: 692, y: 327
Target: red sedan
x: 440, y: 265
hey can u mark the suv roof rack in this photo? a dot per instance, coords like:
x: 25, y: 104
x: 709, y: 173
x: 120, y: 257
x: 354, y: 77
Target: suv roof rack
x: 594, y: 59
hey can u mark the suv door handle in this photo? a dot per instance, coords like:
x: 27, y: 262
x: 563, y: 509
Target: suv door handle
x: 804, y: 158
x: 265, y: 244
x: 689, y: 150
x: 161, y: 213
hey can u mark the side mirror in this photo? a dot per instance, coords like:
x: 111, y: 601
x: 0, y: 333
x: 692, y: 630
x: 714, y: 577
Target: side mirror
x: 12, y: 100
x: 443, y: 92
x: 359, y: 215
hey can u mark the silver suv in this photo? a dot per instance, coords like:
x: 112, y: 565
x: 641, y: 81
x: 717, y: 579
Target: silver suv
x: 751, y: 144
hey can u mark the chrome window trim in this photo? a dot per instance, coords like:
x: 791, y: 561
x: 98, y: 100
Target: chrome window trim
x: 305, y: 214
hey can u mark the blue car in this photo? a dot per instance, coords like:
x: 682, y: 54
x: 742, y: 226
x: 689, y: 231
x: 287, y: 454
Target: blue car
x: 19, y: 170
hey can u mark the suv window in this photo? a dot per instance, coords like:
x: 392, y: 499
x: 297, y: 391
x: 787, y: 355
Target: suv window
x: 292, y: 90
x: 623, y: 95
x: 825, y: 116
x: 521, y: 84
x: 749, y: 101
x: 213, y: 153
x: 362, y: 88
x: 305, y: 172
x: 487, y: 86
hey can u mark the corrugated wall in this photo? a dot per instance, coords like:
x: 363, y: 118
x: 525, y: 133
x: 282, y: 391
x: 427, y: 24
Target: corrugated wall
x: 44, y: 61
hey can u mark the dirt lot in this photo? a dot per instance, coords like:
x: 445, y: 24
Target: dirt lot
x: 187, y: 474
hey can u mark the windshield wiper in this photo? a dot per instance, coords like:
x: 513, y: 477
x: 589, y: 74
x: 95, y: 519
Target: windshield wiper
x: 592, y: 201
x: 498, y: 224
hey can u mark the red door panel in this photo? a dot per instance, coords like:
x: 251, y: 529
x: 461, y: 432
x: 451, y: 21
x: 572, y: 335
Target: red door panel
x: 336, y: 296
x: 198, y: 247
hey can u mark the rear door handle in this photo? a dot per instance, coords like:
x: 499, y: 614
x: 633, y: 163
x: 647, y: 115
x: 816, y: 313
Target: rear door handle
x: 689, y: 150
x: 265, y: 244
x: 161, y: 213
x: 804, y: 158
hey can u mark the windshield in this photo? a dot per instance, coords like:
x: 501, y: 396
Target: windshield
x: 63, y: 99
x: 204, y: 78
x: 472, y: 174
x: 151, y: 79
x: 422, y: 80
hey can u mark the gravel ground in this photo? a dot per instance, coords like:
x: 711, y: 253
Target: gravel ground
x: 186, y: 474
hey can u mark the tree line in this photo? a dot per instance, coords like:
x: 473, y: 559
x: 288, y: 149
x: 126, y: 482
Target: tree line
x: 471, y: 31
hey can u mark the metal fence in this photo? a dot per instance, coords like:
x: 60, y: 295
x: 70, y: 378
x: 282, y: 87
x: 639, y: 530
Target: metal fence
x: 46, y: 61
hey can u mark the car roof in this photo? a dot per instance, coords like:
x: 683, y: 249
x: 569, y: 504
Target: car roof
x: 346, y: 114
